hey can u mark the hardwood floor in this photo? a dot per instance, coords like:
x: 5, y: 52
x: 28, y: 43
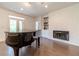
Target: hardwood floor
x: 47, y: 48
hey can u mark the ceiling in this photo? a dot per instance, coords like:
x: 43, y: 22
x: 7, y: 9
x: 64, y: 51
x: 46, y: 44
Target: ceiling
x: 36, y: 8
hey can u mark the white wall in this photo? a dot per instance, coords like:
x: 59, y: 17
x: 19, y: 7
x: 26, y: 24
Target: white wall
x: 29, y: 23
x: 64, y: 19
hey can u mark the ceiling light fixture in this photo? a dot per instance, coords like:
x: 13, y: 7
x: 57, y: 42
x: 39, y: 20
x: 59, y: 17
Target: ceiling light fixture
x: 21, y: 9
x: 46, y: 6
x: 27, y: 4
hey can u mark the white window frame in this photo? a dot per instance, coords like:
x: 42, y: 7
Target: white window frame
x: 18, y: 19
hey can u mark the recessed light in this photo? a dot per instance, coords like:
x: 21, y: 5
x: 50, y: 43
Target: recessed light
x: 46, y: 6
x: 27, y: 4
x: 21, y: 9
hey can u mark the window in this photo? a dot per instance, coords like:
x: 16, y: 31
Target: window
x: 13, y: 25
x: 20, y: 25
x: 36, y: 25
x: 16, y: 23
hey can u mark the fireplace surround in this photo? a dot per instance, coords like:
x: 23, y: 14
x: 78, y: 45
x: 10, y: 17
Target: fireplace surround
x: 63, y: 35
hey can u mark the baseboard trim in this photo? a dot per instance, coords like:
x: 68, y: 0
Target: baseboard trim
x: 68, y: 42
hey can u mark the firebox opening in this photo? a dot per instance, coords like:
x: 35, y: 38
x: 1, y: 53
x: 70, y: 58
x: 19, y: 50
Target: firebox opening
x: 63, y: 35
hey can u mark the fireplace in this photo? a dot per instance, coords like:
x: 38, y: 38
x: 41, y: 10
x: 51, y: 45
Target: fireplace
x: 63, y: 35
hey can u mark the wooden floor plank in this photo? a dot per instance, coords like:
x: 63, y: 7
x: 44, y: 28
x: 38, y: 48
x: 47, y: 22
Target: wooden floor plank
x: 47, y: 48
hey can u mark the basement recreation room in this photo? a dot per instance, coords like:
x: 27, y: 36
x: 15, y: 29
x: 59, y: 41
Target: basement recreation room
x: 39, y: 28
